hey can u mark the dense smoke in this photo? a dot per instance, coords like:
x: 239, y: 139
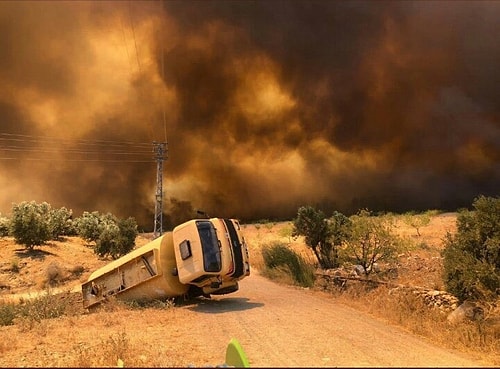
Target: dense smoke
x: 265, y: 105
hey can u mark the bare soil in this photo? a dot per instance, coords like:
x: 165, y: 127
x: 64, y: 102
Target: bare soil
x: 277, y: 325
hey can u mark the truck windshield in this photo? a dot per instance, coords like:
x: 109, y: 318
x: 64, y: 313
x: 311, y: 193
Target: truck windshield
x: 210, y: 246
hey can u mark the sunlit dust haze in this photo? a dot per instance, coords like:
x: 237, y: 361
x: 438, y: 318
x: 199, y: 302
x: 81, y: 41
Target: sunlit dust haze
x: 265, y: 106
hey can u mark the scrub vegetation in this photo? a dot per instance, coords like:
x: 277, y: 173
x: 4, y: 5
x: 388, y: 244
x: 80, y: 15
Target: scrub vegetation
x: 34, y: 224
x: 457, y: 252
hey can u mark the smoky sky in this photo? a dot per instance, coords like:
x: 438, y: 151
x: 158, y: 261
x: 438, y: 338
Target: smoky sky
x: 265, y: 105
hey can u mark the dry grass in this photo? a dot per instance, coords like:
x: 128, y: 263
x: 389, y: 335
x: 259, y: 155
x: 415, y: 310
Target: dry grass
x: 104, y: 353
x: 49, y: 318
x: 480, y: 338
x: 116, y: 350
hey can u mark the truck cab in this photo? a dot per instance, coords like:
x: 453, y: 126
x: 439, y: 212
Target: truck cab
x: 211, y: 254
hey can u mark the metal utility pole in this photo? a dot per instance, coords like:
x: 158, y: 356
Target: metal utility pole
x: 160, y: 148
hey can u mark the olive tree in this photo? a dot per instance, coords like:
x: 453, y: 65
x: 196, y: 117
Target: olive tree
x: 30, y: 223
x: 88, y: 226
x: 371, y: 240
x: 112, y: 236
x: 321, y: 234
x: 117, y: 238
x: 61, y: 223
x: 417, y: 220
x: 471, y: 257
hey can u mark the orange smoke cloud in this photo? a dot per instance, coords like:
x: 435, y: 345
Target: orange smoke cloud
x: 266, y: 106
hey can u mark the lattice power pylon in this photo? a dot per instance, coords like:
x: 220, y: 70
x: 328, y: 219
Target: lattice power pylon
x: 160, y: 148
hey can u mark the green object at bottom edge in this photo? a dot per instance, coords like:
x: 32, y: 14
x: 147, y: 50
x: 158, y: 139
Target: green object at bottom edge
x: 235, y: 356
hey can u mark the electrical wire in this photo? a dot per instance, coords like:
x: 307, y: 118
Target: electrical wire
x: 38, y: 148
x: 14, y: 136
x: 133, y: 33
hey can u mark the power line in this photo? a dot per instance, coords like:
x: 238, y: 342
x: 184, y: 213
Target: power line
x: 133, y: 33
x: 81, y: 160
x: 115, y: 150
x: 23, y: 147
x: 163, y: 73
x: 125, y: 41
x: 70, y: 141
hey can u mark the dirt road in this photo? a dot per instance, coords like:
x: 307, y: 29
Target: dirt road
x: 285, y: 326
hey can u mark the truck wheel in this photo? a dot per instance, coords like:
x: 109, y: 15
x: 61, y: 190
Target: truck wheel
x: 194, y: 291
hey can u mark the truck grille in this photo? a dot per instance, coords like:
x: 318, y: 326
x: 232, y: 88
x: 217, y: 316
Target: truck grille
x: 236, y: 246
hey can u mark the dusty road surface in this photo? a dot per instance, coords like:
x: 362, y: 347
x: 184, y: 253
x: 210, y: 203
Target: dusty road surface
x: 286, y: 326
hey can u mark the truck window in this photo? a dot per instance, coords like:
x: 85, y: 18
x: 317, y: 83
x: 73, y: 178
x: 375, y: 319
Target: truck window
x: 210, y: 246
x: 185, y: 249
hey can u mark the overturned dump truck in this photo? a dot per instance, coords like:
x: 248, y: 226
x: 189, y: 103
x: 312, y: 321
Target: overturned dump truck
x: 200, y: 257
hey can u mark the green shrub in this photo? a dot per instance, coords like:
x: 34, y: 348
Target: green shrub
x: 108, y: 240
x: 30, y: 223
x: 471, y: 257
x: 117, y: 239
x: 45, y: 306
x: 128, y: 234
x: 61, y: 223
x: 322, y: 235
x: 371, y: 239
x: 34, y: 224
x: 7, y: 314
x: 112, y: 236
x: 88, y: 226
x: 276, y: 256
x: 417, y: 220
x: 4, y: 226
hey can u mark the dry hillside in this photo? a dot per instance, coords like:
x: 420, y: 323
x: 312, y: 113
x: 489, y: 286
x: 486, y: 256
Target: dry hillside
x: 97, y: 338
